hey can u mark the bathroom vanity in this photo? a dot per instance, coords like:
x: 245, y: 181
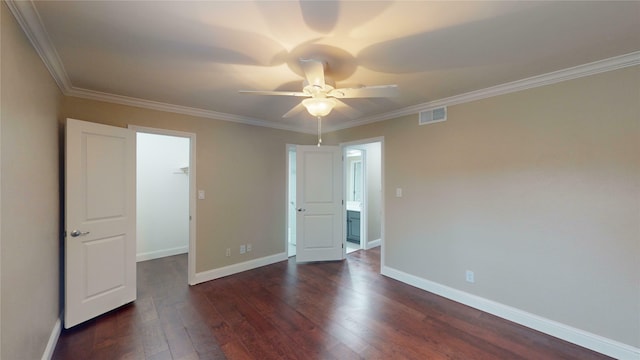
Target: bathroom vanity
x: 353, y: 226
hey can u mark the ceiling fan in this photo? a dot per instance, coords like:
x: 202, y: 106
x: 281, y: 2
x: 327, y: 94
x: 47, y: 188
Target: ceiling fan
x: 322, y: 95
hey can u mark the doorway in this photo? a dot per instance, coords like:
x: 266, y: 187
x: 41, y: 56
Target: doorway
x: 363, y: 195
x: 165, y: 182
x: 363, y: 179
x: 354, y: 162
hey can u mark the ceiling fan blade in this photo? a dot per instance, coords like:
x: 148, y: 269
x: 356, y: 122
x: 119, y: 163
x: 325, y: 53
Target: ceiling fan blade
x: 296, y: 109
x: 346, y: 109
x: 366, y: 91
x: 313, y: 72
x: 266, y: 92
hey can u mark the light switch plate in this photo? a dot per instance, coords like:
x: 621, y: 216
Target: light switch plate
x: 201, y: 194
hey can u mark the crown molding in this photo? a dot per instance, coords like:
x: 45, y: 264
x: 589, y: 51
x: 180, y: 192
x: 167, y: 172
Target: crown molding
x: 575, y: 72
x: 29, y: 20
x: 185, y: 110
x: 31, y: 23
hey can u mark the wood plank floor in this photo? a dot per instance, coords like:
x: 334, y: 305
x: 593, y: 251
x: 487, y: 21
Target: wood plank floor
x: 342, y: 310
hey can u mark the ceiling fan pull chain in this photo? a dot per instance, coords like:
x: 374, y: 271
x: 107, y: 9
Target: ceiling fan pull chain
x: 319, y: 130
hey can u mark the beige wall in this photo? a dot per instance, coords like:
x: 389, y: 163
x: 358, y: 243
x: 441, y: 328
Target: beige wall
x: 242, y: 169
x: 537, y: 192
x: 29, y: 192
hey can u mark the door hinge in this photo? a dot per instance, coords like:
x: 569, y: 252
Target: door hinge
x: 342, y: 202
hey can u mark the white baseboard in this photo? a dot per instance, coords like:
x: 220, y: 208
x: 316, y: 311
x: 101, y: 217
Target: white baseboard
x: 240, y: 267
x: 579, y: 337
x: 53, y: 340
x: 150, y: 255
x: 373, y: 243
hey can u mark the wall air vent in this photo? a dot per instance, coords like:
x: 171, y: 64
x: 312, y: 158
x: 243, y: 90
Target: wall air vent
x: 433, y: 116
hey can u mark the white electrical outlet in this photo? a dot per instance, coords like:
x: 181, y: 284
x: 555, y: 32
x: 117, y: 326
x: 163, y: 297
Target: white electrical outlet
x: 248, y: 247
x: 228, y: 253
x: 470, y: 277
x: 243, y: 249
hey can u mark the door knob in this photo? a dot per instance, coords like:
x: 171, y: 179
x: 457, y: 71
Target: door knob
x: 301, y: 209
x: 76, y: 233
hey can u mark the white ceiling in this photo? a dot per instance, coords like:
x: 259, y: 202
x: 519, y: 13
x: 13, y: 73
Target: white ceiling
x: 193, y: 57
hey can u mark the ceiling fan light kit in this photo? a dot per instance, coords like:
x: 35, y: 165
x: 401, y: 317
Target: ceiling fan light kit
x: 319, y: 106
x: 322, y: 94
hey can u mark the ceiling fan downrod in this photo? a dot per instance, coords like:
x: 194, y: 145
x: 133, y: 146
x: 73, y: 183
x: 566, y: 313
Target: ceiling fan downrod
x: 319, y: 130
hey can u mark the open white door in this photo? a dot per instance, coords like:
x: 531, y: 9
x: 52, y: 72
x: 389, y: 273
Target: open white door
x: 100, y: 243
x: 319, y: 220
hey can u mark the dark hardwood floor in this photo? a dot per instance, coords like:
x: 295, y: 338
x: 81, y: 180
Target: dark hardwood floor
x: 342, y: 310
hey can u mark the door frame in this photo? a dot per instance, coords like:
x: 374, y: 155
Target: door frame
x: 365, y: 244
x: 365, y: 196
x: 343, y: 146
x: 191, y: 255
x: 288, y: 148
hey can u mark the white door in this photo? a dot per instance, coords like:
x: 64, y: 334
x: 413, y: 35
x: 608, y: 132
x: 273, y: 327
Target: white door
x: 319, y: 220
x: 100, y: 244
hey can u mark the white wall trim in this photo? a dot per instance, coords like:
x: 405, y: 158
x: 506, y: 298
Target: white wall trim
x: 373, y: 243
x: 29, y: 19
x: 53, y: 340
x: 579, y: 337
x: 575, y: 72
x: 161, y: 253
x: 31, y: 23
x: 237, y: 268
x: 179, y: 109
x: 596, y: 67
